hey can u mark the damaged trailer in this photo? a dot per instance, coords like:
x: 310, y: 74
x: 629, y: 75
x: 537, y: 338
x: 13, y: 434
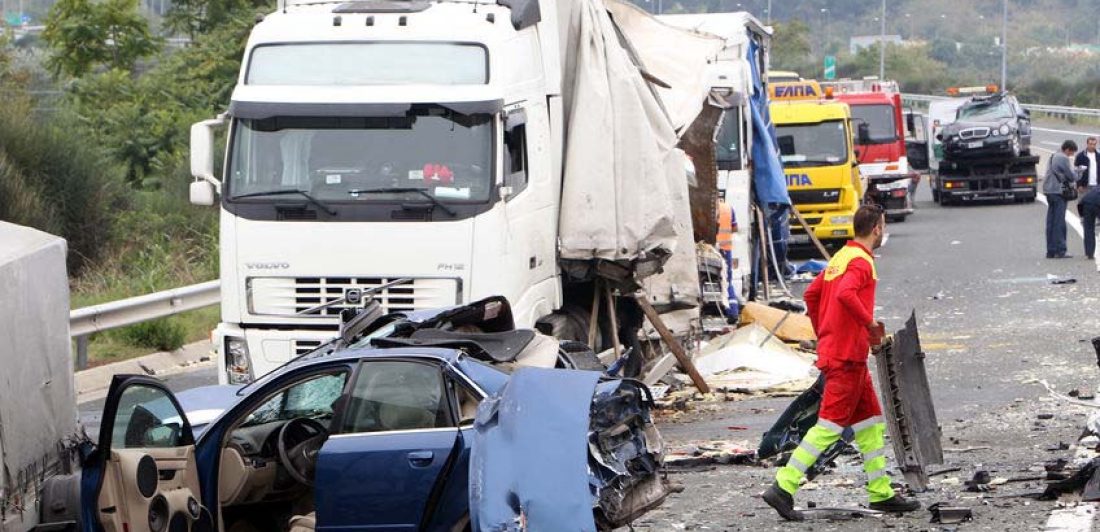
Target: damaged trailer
x: 38, y: 418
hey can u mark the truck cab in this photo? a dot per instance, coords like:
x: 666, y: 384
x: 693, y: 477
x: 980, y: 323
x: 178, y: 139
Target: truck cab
x: 823, y: 176
x: 375, y: 150
x: 879, y: 142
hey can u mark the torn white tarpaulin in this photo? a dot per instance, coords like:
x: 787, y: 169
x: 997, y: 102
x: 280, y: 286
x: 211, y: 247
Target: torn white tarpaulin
x: 624, y: 190
x: 751, y: 360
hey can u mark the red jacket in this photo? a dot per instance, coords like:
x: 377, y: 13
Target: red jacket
x: 841, y: 303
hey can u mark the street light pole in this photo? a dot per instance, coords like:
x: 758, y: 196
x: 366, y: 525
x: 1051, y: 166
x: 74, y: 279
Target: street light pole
x: 1004, y: 45
x: 882, y: 45
x: 769, y: 12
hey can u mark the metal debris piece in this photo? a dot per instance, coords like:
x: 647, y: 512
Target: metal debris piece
x: 950, y: 515
x: 907, y: 402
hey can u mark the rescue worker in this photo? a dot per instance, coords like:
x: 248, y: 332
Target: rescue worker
x: 727, y: 226
x: 840, y: 303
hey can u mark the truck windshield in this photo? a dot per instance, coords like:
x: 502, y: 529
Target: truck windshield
x: 985, y: 111
x: 880, y: 122
x: 821, y: 144
x: 341, y: 160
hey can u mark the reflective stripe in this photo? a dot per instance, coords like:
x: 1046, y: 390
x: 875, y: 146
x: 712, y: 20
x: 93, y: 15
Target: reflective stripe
x: 867, y: 457
x: 810, y: 448
x: 866, y: 423
x: 875, y: 475
x: 797, y: 464
x: 832, y: 427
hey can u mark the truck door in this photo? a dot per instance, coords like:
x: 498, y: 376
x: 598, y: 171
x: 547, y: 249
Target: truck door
x: 143, y: 476
x: 397, y: 434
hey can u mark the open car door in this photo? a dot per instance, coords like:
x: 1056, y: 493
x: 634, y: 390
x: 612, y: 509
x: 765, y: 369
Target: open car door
x: 142, y: 477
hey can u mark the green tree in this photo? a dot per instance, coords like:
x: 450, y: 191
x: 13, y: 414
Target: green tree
x: 83, y: 35
x: 791, y: 48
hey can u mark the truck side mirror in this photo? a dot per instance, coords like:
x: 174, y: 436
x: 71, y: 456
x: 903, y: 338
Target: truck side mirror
x: 911, y: 123
x: 202, y: 160
x: 864, y: 132
x: 202, y: 192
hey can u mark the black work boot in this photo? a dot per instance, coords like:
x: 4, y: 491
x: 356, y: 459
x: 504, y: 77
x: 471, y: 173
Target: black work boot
x: 896, y: 505
x: 783, y: 503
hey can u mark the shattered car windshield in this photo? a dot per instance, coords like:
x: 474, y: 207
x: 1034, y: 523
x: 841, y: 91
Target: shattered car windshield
x: 821, y: 144
x: 445, y: 153
x: 312, y: 398
x: 985, y: 112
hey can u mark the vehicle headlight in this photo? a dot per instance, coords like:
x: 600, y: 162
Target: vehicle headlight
x: 238, y: 367
x: 1004, y: 129
x: 840, y: 220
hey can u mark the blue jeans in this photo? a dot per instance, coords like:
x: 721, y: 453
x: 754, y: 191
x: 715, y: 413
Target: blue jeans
x: 1056, y: 225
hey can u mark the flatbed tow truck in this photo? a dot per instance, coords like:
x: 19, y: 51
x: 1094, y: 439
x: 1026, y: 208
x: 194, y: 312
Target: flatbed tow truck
x: 986, y: 151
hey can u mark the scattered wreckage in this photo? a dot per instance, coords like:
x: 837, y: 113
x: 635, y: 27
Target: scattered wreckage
x: 428, y: 420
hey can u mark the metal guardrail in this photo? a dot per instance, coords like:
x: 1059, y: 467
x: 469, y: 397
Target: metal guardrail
x: 106, y: 316
x: 1060, y: 111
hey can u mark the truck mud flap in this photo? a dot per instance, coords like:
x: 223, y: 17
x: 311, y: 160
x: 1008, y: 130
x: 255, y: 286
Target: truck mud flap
x: 907, y: 403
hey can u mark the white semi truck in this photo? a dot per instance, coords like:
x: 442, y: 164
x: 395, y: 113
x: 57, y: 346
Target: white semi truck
x: 434, y: 153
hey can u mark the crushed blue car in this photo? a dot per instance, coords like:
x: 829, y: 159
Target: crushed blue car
x: 374, y: 432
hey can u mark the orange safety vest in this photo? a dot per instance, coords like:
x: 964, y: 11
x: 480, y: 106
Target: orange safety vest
x: 726, y: 227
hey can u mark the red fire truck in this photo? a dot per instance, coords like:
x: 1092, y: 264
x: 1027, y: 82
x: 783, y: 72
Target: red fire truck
x: 880, y: 142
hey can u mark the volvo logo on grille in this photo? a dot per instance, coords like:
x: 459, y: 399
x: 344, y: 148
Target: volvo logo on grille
x: 267, y: 265
x: 353, y: 296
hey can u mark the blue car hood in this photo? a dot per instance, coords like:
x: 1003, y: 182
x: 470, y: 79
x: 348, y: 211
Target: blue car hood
x: 204, y: 404
x: 529, y: 463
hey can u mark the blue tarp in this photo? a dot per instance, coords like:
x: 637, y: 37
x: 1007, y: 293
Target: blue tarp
x: 767, y: 169
x: 529, y: 463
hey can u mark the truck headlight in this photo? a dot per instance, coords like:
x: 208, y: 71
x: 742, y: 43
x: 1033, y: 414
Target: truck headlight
x: 840, y: 220
x: 1004, y: 129
x: 238, y: 367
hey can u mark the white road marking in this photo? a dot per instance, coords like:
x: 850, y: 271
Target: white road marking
x: 1050, y: 143
x: 1072, y: 519
x: 1062, y: 131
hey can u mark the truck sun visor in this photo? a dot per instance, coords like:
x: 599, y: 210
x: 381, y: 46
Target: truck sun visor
x: 262, y: 110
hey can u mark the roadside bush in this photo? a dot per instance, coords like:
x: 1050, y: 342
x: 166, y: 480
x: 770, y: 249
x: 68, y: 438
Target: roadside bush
x: 51, y: 179
x: 162, y: 335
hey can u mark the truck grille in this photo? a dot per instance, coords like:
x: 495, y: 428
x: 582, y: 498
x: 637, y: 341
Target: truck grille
x: 287, y: 296
x: 302, y: 347
x: 974, y: 133
x: 817, y: 196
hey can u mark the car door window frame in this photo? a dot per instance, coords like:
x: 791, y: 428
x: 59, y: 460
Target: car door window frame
x: 342, y: 429
x: 110, y: 411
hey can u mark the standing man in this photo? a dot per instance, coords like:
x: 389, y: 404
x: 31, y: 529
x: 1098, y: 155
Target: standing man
x: 1089, y: 209
x: 840, y: 303
x: 1059, y: 174
x: 1086, y: 161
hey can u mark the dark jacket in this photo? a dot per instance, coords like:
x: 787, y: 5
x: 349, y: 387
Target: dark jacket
x: 1083, y: 160
x: 1092, y: 200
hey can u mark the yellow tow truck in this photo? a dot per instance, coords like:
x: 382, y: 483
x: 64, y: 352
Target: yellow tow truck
x: 814, y: 134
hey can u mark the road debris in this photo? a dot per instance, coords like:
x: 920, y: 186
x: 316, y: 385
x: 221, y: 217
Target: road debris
x: 950, y: 515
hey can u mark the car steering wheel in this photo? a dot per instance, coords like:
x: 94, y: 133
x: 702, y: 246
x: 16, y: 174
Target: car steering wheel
x: 299, y: 441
